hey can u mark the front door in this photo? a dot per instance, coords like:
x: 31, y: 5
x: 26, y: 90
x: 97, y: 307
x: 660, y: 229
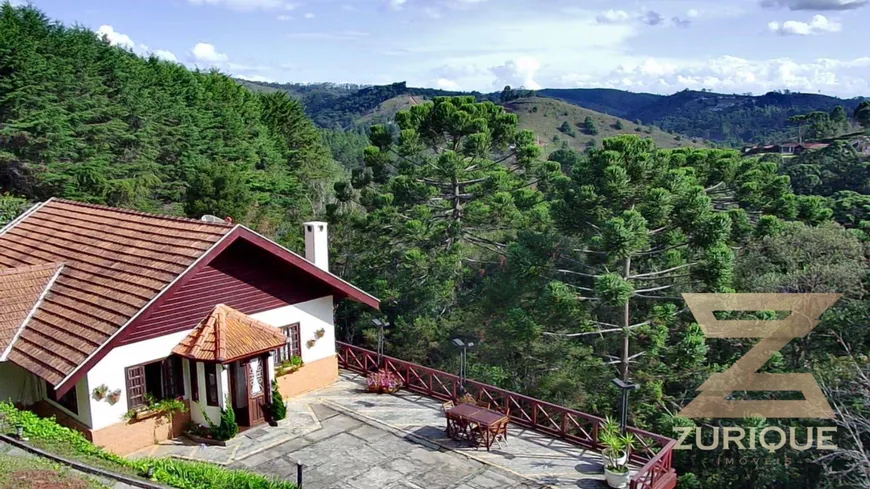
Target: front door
x: 256, y: 390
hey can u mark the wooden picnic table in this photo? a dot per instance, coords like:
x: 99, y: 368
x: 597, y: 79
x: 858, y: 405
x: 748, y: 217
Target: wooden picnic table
x: 476, y: 417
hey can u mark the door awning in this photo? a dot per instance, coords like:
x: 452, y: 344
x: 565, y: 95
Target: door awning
x: 227, y: 335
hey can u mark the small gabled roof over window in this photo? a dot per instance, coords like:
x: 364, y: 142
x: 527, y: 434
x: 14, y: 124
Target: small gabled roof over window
x: 227, y: 335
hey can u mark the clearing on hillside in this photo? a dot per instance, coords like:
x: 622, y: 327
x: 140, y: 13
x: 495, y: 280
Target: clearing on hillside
x: 547, y: 118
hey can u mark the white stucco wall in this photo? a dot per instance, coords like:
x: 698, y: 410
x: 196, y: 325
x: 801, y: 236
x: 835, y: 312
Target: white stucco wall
x: 18, y: 385
x: 111, y: 371
x: 311, y: 316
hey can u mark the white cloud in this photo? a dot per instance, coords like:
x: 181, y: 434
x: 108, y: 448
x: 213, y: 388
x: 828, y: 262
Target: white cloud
x: 207, y: 53
x: 731, y: 74
x: 309, y: 15
x: 445, y: 84
x: 652, y: 18
x: 517, y: 73
x: 692, y: 13
x: 283, y: 17
x: 255, y: 78
x: 396, y: 4
x: 817, y: 25
x: 116, y: 38
x: 165, y: 55
x: 248, y: 4
x: 815, y: 4
x: 613, y: 17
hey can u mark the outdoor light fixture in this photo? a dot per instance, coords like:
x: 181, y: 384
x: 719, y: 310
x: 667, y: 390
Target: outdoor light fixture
x: 625, y: 387
x: 150, y: 472
x: 463, y: 359
x: 21, y: 433
x: 381, y: 325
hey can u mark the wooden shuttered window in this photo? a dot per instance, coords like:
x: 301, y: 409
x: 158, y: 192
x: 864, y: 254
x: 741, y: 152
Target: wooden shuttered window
x: 135, y: 386
x: 211, y: 385
x: 173, y: 378
x: 194, y: 381
x: 293, y: 346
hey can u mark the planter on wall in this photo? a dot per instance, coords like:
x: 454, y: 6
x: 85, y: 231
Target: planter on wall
x: 114, y: 397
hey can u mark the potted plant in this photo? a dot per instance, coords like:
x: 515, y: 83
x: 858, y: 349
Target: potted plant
x: 99, y: 392
x: 113, y: 397
x: 383, y: 381
x: 616, y: 452
x: 611, y: 430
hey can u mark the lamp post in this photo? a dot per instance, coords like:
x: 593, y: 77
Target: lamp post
x: 463, y: 360
x: 381, y: 325
x: 625, y: 387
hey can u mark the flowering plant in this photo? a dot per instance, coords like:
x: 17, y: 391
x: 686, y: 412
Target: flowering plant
x: 383, y: 381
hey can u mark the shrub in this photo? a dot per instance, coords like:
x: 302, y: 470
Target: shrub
x: 177, y: 473
x: 277, y: 410
x: 589, y: 126
x: 619, y: 125
x: 200, y: 475
x: 228, y: 427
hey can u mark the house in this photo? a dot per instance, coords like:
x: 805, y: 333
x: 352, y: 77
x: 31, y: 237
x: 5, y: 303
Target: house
x: 102, y: 309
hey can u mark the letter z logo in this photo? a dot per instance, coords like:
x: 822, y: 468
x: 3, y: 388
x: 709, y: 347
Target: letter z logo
x: 805, y: 310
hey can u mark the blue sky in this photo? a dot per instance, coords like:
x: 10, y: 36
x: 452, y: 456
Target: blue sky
x: 657, y: 46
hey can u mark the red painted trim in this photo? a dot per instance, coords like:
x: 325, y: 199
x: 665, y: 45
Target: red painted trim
x: 292, y: 258
x: 340, y: 289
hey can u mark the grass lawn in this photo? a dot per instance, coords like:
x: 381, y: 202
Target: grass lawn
x: 26, y: 472
x: 51, y: 437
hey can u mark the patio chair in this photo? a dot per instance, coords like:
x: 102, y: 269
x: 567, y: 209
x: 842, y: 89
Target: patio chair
x: 468, y: 399
x: 497, y: 433
x: 447, y: 406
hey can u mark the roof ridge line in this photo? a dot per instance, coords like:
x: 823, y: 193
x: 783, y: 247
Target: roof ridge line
x: 32, y: 312
x: 31, y: 268
x: 140, y: 213
x: 32, y: 209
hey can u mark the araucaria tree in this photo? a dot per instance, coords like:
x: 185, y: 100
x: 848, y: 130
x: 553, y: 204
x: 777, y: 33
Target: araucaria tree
x: 646, y: 225
x: 442, y: 189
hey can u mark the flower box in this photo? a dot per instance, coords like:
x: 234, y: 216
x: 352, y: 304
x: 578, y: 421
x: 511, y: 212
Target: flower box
x: 383, y: 382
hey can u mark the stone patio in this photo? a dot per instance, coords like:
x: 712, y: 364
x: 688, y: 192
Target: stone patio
x: 350, y: 439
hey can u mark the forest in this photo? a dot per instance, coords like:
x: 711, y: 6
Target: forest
x: 565, y: 272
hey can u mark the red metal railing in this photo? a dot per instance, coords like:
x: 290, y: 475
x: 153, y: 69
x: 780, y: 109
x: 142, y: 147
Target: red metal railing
x: 654, y: 452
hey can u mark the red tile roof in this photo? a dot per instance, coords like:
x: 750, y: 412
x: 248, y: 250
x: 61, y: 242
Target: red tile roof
x: 21, y: 289
x: 226, y: 335
x: 115, y: 262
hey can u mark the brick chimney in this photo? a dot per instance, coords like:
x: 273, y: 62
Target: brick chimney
x: 317, y: 244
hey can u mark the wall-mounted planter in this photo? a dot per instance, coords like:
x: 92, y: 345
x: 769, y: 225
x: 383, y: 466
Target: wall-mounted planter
x: 99, y: 393
x: 113, y: 397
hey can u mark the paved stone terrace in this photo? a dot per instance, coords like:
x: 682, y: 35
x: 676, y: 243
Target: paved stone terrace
x: 350, y: 439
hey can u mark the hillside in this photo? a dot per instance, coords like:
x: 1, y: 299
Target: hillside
x: 151, y: 134
x: 544, y: 116
x: 607, y: 100
x: 727, y: 118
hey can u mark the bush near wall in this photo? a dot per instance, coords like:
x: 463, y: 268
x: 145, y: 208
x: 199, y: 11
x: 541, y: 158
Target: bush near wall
x: 50, y: 436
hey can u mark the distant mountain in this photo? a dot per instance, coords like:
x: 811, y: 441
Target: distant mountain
x: 607, y: 100
x: 734, y: 120
x: 334, y: 106
x: 731, y: 119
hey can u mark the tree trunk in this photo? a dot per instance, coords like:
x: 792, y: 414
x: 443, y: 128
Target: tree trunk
x: 626, y: 322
